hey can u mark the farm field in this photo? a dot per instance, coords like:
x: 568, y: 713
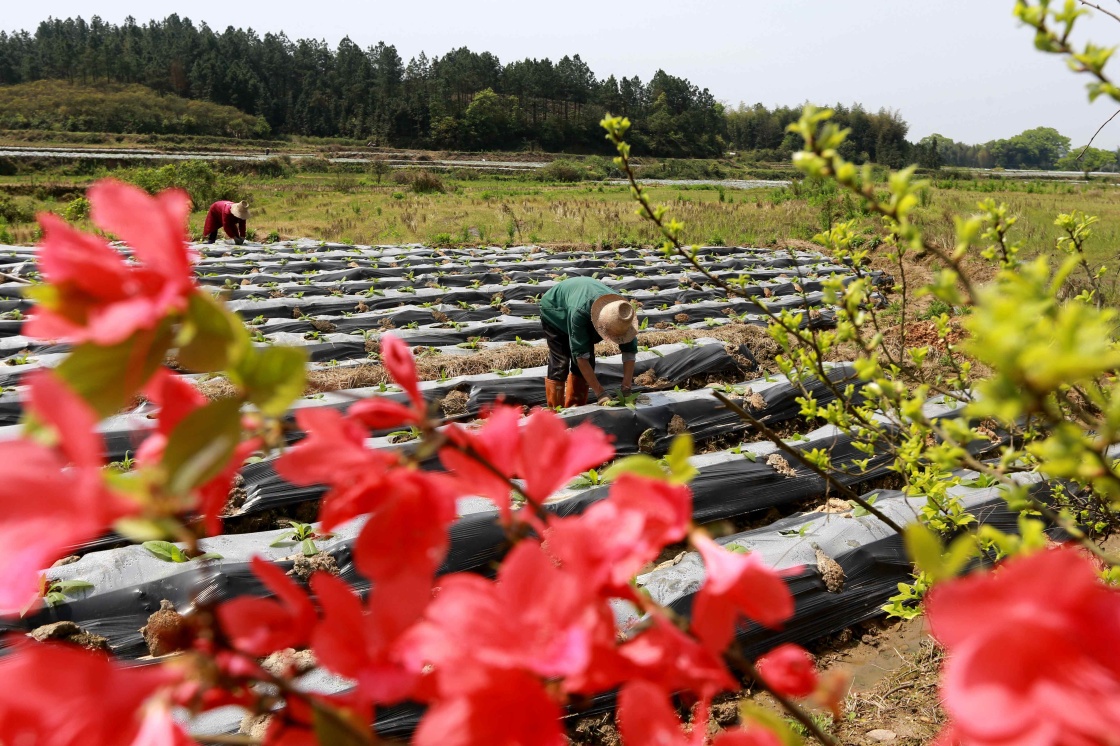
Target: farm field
x: 470, y: 316
x: 479, y: 209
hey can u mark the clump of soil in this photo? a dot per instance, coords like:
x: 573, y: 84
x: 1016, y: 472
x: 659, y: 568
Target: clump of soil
x: 755, y: 401
x: 167, y: 631
x: 72, y: 634
x: 454, y: 404
x: 647, y: 440
x: 780, y: 465
x: 237, y: 496
x: 682, y: 318
x: 304, y: 567
x: 322, y: 325
x: 831, y: 572
x: 289, y: 662
x: 677, y: 425
x: 66, y: 560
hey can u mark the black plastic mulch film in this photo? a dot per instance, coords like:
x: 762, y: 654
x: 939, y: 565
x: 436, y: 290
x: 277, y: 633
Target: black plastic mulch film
x: 350, y: 290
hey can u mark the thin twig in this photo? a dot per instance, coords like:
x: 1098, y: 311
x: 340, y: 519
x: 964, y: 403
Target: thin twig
x: 789, y: 450
x: 1094, y: 137
x: 16, y: 278
x: 745, y: 665
x: 1102, y: 10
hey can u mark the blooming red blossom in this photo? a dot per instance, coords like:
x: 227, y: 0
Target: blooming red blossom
x: 615, y: 537
x: 736, y: 585
x: 379, y: 413
x: 500, y: 707
x: 177, y: 398
x: 96, y: 296
x: 334, y: 453
x: 363, y: 643
x: 407, y: 534
x: 1031, y: 653
x: 645, y: 717
x: 536, y: 617
x: 259, y: 626
x: 660, y: 654
x: 498, y: 443
x: 397, y: 359
x: 552, y: 454
x: 59, y: 695
x: 71, y: 503
x: 541, y: 450
x: 788, y: 669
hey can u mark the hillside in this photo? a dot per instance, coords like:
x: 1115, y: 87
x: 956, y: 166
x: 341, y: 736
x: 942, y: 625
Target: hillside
x: 133, y: 109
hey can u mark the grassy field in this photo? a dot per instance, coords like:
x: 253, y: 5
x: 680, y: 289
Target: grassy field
x: 475, y: 210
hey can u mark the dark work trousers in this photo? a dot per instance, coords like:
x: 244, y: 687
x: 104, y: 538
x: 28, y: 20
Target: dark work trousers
x: 560, y: 359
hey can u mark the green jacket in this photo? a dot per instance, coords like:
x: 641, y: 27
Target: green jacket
x: 567, y: 307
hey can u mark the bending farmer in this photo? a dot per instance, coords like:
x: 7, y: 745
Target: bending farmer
x: 576, y: 313
x: 229, y: 216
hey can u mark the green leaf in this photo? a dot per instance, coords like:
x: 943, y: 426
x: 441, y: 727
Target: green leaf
x: 752, y: 714
x: 924, y: 547
x: 273, y: 377
x: 65, y: 586
x: 54, y: 598
x: 165, y: 551
x: 638, y: 465
x: 208, y: 556
x: 680, y: 451
x: 109, y: 377
x: 861, y: 511
x: 307, y: 546
x: 285, y: 538
x: 200, y: 446
x: 210, y: 336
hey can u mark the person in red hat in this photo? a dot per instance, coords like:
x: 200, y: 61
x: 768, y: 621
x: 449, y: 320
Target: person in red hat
x: 230, y: 217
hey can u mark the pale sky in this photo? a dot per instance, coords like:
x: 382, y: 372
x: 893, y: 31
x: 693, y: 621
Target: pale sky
x: 962, y: 68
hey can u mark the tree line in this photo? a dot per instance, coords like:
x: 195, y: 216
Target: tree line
x: 464, y: 99
x: 1042, y: 148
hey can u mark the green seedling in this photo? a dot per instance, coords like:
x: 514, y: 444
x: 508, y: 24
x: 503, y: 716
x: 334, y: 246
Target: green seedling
x: 168, y: 552
x: 590, y: 478
x: 303, y: 534
x: 58, y: 590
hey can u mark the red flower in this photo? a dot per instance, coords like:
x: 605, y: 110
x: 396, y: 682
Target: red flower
x: 788, y: 669
x: 397, y: 359
x: 536, y: 618
x: 259, y: 626
x: 58, y: 695
x: 96, y: 295
x: 661, y: 655
x: 614, y: 538
x: 542, y: 451
x: 552, y: 455
x: 70, y: 504
x: 736, y: 585
x: 379, y: 413
x: 362, y: 644
x: 1032, y: 653
x: 177, y: 398
x: 498, y: 442
x: 501, y: 708
x: 406, y: 535
x: 334, y: 453
x: 645, y: 717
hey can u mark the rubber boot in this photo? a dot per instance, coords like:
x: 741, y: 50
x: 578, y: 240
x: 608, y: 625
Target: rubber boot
x: 553, y: 393
x: 575, y: 392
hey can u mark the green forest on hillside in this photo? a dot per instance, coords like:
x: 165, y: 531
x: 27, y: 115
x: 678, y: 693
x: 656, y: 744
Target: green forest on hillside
x: 109, y: 107
x: 464, y: 100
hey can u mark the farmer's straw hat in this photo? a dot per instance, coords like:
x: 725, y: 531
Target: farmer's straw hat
x: 614, y: 318
x: 240, y: 210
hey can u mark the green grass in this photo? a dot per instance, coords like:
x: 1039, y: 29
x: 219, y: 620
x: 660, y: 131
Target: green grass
x: 354, y: 208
